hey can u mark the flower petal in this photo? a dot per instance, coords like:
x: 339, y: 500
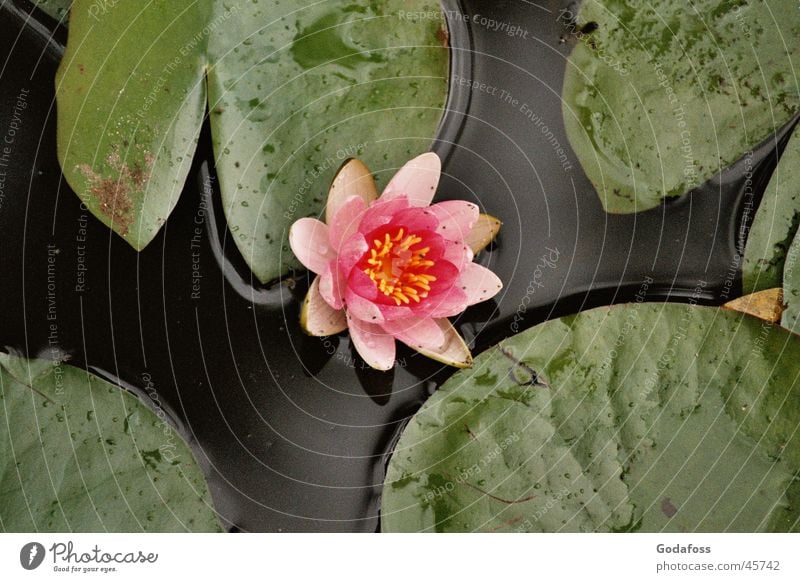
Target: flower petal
x: 457, y: 253
x: 317, y: 318
x: 454, y: 351
x: 456, y: 218
x: 417, y: 180
x: 351, y: 252
x: 416, y: 219
x: 352, y: 179
x: 479, y: 283
x: 381, y: 213
x: 447, y: 275
x: 344, y: 223
x: 372, y: 343
x: 483, y: 232
x: 332, y: 286
x: 362, y: 308
x: 416, y: 332
x: 448, y: 304
x: 308, y: 238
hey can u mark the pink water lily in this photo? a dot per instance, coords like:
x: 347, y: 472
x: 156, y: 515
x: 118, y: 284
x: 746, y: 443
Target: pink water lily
x: 395, y: 266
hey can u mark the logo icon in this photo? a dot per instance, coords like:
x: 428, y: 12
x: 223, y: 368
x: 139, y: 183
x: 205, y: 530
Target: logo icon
x: 31, y: 555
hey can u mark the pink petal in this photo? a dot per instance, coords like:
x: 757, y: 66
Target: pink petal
x: 352, y: 179
x: 351, y: 252
x: 332, y: 286
x: 381, y: 213
x: 417, y: 180
x: 416, y: 332
x: 456, y: 218
x: 446, y: 274
x: 448, y: 304
x: 479, y: 283
x: 362, y: 308
x: 454, y: 351
x: 457, y: 253
x: 344, y: 223
x: 317, y: 317
x: 416, y: 219
x: 308, y: 238
x: 372, y: 343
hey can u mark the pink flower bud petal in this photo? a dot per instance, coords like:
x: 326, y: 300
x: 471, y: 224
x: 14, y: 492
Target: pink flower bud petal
x: 372, y: 343
x: 417, y: 180
x: 479, y: 283
x: 308, y: 238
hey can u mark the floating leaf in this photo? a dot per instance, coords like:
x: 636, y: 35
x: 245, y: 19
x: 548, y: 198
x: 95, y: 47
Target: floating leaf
x: 791, y: 286
x: 57, y: 9
x: 659, y: 96
x: 631, y: 418
x: 775, y: 223
x: 79, y: 454
x: 293, y: 90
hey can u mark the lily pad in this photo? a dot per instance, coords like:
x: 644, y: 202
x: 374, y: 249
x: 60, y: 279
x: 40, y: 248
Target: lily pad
x: 57, y: 9
x: 293, y: 89
x: 631, y: 418
x: 775, y: 224
x: 660, y: 96
x: 791, y: 287
x: 78, y: 454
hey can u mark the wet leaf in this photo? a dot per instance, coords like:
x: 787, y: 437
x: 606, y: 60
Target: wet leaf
x: 775, y: 223
x: 660, y: 96
x: 56, y: 9
x: 79, y: 454
x: 292, y: 90
x: 647, y: 417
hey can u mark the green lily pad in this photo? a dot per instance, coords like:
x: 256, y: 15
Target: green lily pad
x: 631, y: 418
x: 78, y: 454
x: 659, y: 96
x: 791, y: 286
x: 775, y: 224
x: 57, y: 9
x: 293, y: 89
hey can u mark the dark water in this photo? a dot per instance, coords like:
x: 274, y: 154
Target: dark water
x: 292, y: 431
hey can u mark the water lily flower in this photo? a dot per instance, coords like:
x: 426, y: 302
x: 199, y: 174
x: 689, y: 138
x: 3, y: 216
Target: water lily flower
x: 394, y: 267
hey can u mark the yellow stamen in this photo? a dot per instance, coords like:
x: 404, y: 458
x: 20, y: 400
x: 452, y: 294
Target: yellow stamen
x: 397, y: 268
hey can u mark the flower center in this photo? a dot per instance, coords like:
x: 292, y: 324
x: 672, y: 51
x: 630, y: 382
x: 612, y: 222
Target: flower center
x: 397, y: 265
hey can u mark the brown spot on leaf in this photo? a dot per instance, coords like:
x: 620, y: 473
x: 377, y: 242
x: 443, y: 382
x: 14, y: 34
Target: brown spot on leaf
x: 113, y: 193
x: 443, y: 35
x: 667, y: 508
